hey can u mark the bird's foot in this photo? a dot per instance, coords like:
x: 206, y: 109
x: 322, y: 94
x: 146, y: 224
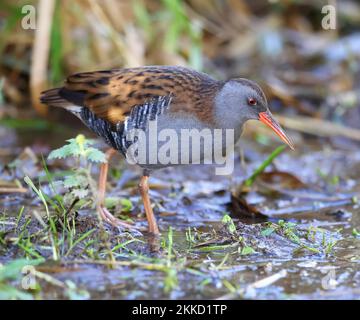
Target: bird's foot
x: 109, y: 218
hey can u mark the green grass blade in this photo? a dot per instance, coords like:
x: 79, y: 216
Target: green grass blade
x: 249, y: 181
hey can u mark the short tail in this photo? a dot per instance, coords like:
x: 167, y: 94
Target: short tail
x: 52, y: 98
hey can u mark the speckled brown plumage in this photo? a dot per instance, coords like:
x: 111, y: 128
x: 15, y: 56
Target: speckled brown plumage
x: 112, y: 94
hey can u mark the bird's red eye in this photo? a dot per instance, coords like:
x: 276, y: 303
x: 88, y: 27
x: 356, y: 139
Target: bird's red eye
x: 252, y: 102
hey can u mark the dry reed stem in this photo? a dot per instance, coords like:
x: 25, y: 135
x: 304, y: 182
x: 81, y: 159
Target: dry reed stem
x: 318, y: 127
x: 40, y: 53
x: 13, y: 190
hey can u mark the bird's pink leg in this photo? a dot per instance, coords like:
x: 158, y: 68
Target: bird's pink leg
x: 104, y: 213
x: 144, y: 191
x: 103, y: 176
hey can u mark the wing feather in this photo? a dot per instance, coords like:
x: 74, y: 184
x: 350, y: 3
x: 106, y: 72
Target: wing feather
x: 112, y: 94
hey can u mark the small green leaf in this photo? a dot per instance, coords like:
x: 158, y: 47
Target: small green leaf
x: 290, y: 225
x: 79, y: 147
x: 76, y: 180
x: 292, y: 236
x: 71, y: 181
x: 111, y: 202
x: 355, y: 233
x: 247, y: 250
x: 80, y: 193
x: 126, y: 205
x: 95, y: 155
x: 266, y: 232
x: 60, y: 153
x: 226, y: 220
x: 71, y: 149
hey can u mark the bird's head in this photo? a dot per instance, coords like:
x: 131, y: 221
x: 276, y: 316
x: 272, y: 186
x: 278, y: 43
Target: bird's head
x: 240, y: 100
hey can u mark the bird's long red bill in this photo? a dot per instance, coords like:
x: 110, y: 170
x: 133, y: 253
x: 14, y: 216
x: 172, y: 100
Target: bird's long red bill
x: 267, y: 118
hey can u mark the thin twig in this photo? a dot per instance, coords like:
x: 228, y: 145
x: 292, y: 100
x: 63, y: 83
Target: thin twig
x: 255, y: 285
x: 269, y: 280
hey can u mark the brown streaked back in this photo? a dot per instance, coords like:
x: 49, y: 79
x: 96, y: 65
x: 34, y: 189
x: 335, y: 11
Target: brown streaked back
x: 112, y: 94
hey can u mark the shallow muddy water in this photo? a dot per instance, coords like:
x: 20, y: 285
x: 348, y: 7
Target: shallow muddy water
x: 302, y: 243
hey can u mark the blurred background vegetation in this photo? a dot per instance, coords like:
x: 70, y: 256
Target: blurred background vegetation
x: 306, y: 70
